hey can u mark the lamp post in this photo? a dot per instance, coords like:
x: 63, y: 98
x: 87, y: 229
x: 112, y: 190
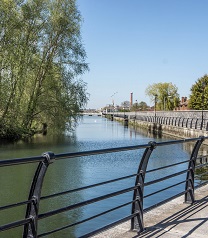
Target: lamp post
x: 113, y: 100
x: 155, y: 105
x: 202, y: 118
x: 136, y: 106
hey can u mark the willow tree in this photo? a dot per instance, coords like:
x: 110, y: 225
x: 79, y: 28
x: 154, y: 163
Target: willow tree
x: 165, y: 95
x: 199, y: 99
x: 41, y: 59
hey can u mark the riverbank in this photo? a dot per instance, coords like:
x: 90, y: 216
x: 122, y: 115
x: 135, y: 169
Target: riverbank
x: 160, y: 129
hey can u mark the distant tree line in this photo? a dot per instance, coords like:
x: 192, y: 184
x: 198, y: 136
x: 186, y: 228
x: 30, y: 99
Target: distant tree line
x: 199, y: 94
x: 41, y: 58
x: 165, y: 96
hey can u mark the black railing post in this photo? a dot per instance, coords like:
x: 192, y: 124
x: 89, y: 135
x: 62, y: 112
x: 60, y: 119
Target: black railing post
x: 207, y: 126
x: 172, y: 121
x: 187, y: 123
x: 196, y: 123
x: 30, y: 230
x: 191, y: 122
x: 176, y: 120
x: 137, y: 207
x: 183, y: 121
x: 169, y: 121
x: 179, y: 121
x: 189, y: 190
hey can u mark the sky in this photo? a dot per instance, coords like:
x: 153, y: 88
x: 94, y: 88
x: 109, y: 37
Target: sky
x: 131, y: 44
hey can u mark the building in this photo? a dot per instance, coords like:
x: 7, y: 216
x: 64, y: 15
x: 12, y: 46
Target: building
x: 183, y: 105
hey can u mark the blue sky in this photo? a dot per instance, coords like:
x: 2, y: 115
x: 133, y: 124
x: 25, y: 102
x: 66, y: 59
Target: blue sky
x: 131, y: 44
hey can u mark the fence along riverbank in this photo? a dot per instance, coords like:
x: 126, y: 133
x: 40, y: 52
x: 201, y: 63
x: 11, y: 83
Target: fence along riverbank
x: 29, y: 224
x: 174, y: 219
x: 186, y: 124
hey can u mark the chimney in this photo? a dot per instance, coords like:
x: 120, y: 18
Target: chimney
x: 182, y: 100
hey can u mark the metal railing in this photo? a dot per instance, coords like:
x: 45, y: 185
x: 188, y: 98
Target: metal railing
x: 192, y: 123
x: 186, y: 122
x: 29, y: 223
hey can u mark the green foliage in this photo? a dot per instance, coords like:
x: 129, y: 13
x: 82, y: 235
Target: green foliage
x: 41, y: 59
x: 165, y: 94
x: 199, y: 98
x: 201, y: 172
x: 141, y: 106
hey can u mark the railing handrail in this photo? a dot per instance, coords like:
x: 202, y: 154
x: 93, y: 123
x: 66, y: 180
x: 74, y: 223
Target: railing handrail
x: 196, y: 122
x: 32, y: 212
x: 35, y: 159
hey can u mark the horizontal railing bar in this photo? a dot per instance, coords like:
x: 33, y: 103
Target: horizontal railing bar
x: 199, y: 175
x: 109, y: 225
x: 85, y: 220
x: 93, y: 152
x: 159, y: 191
x: 87, y: 202
x: 200, y: 185
x: 15, y: 205
x: 168, y: 166
x: 202, y: 156
x: 70, y: 155
x: 118, y: 149
x: 178, y: 141
x: 103, y: 151
x: 86, y: 187
x: 15, y: 224
x: 133, y: 215
x: 19, y: 161
x: 165, y: 178
x: 201, y: 165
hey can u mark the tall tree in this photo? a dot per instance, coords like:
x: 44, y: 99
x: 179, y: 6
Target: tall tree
x: 141, y: 106
x: 199, y: 98
x: 41, y: 57
x: 165, y: 94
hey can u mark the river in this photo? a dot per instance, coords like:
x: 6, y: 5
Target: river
x: 92, y: 133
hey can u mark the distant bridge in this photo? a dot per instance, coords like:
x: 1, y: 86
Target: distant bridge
x: 92, y: 113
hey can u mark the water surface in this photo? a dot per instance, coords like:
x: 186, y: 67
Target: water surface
x: 92, y: 133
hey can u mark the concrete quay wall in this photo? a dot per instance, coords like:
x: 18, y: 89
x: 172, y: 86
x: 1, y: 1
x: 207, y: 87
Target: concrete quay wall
x: 174, y: 131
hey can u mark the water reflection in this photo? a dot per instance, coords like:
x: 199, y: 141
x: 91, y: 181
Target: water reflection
x: 91, y: 134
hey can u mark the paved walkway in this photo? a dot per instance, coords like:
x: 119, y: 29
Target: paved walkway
x: 172, y: 220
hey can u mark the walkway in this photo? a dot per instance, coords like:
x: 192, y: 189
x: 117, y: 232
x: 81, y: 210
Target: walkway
x: 172, y: 220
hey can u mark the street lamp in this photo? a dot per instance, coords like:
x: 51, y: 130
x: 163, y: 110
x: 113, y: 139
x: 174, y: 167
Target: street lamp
x: 113, y: 100
x: 203, y: 87
x: 155, y: 105
x: 136, y: 106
